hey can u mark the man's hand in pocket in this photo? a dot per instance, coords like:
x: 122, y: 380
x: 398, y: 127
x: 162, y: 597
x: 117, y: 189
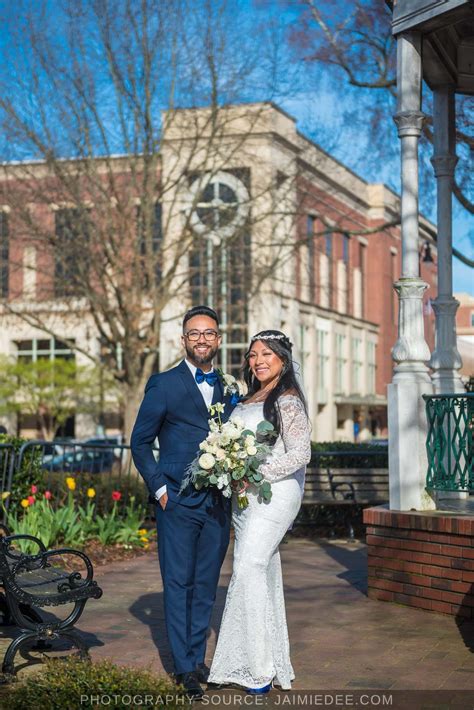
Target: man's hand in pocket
x: 163, y: 500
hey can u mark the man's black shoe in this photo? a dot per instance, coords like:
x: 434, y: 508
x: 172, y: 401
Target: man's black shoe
x: 202, y: 672
x: 190, y: 683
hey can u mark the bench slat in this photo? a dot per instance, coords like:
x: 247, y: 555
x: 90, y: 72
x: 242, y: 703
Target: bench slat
x: 334, y: 486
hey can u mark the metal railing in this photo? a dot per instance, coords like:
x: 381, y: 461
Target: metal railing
x: 450, y: 442
x: 85, y: 469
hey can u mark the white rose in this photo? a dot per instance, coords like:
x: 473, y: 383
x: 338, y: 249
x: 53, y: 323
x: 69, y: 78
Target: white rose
x: 230, y: 431
x: 207, y: 461
x: 251, y: 450
x: 236, y: 446
x: 229, y: 379
x: 220, y: 454
x: 250, y: 440
x: 238, y: 422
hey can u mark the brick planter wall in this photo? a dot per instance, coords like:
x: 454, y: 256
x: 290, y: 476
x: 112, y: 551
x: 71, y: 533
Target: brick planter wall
x: 424, y: 560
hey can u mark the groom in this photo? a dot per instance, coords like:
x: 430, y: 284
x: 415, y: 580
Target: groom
x: 193, y: 527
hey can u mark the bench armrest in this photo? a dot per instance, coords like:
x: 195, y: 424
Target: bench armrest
x: 75, y: 578
x: 9, y: 555
x: 346, y: 495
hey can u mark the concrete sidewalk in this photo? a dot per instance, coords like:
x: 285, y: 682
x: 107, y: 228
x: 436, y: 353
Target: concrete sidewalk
x: 339, y: 638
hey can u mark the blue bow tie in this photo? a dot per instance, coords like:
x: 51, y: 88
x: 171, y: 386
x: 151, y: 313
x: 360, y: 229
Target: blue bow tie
x: 209, y: 377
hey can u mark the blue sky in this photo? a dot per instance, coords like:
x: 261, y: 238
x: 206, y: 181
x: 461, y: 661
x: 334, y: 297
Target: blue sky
x: 321, y: 102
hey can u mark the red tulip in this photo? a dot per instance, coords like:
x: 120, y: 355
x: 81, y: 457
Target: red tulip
x: 31, y: 500
x: 34, y: 489
x: 116, y: 495
x: 47, y: 495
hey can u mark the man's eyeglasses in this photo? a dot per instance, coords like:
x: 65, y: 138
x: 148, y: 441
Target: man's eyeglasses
x: 209, y: 335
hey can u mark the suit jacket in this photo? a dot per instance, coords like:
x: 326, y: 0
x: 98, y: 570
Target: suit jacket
x: 173, y: 409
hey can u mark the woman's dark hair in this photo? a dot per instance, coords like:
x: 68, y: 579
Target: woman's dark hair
x: 200, y: 311
x: 288, y: 382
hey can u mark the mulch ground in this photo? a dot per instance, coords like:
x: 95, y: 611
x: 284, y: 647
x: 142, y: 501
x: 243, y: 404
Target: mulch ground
x: 101, y: 555
x: 104, y: 554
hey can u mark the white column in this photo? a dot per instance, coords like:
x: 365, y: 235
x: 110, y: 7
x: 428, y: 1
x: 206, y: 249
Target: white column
x: 406, y: 415
x: 445, y: 360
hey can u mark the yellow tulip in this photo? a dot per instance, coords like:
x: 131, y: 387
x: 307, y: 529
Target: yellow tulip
x: 144, y: 540
x: 71, y: 483
x: 143, y: 531
x: 24, y: 503
x: 90, y: 493
x: 5, y: 495
x: 146, y: 547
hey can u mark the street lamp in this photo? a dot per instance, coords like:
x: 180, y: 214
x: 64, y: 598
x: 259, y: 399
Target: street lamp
x: 426, y: 255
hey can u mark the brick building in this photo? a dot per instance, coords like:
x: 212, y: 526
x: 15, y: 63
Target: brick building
x: 465, y: 333
x: 327, y: 238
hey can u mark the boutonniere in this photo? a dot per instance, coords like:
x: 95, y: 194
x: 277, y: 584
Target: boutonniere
x: 231, y: 386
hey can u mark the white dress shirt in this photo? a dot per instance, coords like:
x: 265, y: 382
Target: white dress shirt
x: 207, y: 394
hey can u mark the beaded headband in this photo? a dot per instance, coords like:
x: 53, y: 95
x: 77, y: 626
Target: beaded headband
x: 271, y: 336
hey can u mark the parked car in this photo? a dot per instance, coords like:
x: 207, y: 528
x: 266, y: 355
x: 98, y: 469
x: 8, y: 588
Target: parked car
x: 57, y: 447
x: 81, y: 461
x: 115, y: 441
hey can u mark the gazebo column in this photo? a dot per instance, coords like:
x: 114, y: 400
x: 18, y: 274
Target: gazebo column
x: 406, y: 414
x: 445, y: 360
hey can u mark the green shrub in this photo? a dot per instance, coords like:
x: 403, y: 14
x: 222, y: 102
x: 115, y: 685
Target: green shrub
x: 377, y: 455
x: 69, y: 683
x: 29, y: 474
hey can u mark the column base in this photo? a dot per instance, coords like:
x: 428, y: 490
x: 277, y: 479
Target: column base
x: 408, y: 462
x: 447, y: 382
x: 411, y: 351
x: 445, y: 360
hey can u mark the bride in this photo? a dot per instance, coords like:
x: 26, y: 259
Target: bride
x: 253, y: 648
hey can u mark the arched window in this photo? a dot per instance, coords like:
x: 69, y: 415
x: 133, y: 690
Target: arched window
x: 220, y: 257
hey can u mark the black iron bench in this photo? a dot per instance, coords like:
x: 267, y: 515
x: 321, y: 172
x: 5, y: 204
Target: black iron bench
x: 43, y: 579
x: 344, y: 490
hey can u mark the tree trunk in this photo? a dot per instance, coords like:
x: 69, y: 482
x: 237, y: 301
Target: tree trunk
x: 133, y: 398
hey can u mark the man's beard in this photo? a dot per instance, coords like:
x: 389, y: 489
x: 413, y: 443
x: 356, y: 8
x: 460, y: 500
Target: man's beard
x: 201, y: 359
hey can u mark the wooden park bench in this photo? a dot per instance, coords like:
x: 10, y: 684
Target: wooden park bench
x: 43, y: 579
x: 344, y: 490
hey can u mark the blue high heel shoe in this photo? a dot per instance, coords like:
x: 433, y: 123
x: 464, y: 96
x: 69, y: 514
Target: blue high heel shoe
x: 259, y: 691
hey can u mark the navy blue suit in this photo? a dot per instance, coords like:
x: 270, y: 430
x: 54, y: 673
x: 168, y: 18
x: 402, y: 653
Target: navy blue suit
x: 193, y: 530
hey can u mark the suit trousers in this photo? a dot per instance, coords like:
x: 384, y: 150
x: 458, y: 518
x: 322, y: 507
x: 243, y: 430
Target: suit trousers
x: 192, y: 543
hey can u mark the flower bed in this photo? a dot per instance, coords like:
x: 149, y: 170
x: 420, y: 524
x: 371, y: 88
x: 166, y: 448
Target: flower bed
x: 75, y: 524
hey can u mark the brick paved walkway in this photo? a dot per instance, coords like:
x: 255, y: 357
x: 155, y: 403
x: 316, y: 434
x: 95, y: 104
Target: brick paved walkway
x: 340, y: 639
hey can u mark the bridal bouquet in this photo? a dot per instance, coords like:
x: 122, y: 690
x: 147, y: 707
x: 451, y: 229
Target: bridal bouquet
x: 230, y: 458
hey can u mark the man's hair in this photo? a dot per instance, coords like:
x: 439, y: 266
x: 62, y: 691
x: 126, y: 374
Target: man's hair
x: 200, y: 311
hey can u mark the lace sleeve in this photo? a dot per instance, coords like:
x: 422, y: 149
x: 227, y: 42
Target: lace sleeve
x: 295, y: 439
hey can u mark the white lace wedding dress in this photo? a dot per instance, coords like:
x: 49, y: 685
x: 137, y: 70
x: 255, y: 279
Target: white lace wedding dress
x: 253, y: 647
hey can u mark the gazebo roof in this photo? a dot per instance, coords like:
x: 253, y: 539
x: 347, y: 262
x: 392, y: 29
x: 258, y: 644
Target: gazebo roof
x: 447, y: 28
